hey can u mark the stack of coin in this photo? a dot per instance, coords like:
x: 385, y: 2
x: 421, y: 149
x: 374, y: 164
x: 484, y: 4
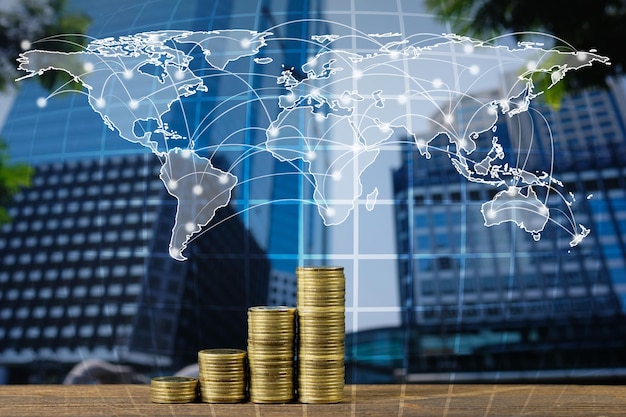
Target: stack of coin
x: 223, y: 375
x: 321, y: 333
x: 271, y: 350
x: 173, y: 389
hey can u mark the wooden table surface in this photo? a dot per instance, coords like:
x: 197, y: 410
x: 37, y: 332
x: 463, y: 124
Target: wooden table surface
x: 360, y: 400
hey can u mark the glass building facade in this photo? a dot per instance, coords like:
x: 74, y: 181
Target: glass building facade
x: 492, y: 299
x: 420, y: 260
x: 83, y: 276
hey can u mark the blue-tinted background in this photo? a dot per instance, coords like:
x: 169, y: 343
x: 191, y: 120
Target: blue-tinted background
x: 432, y: 294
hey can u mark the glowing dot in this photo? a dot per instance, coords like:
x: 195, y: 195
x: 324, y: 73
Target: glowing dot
x: 41, y: 102
x: 491, y: 213
x: 133, y: 104
x: 186, y: 153
x: 590, y: 196
x: 544, y: 211
x: 190, y: 227
x: 311, y: 61
x: 330, y: 212
x: 384, y: 127
x: 179, y: 74
x: 315, y: 92
x: 581, y: 56
x: 356, y: 74
x: 100, y: 102
x: 531, y: 65
x: 319, y: 117
x: 197, y: 189
x: 273, y: 131
x: 223, y: 179
x: 25, y: 45
x: 291, y: 97
x: 420, y: 143
x: 356, y: 147
x: 336, y: 175
x: 245, y: 43
x: 402, y: 99
x: 172, y: 185
x: 437, y: 83
x: 468, y: 48
x: 511, y: 191
x: 394, y: 54
x: 474, y: 69
x: 128, y: 74
x: 448, y: 118
x: 88, y: 66
x: 175, y: 253
x: 311, y: 155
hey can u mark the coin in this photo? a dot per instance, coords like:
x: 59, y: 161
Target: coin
x: 271, y: 352
x: 321, y: 334
x: 222, y: 375
x: 173, y: 389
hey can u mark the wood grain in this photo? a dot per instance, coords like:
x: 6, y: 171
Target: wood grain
x: 360, y: 400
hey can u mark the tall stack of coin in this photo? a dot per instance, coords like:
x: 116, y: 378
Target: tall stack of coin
x: 271, y: 350
x: 173, y: 389
x: 321, y: 333
x: 223, y: 375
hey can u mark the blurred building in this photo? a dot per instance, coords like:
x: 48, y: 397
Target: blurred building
x: 479, y: 299
x: 85, y: 273
x: 86, y: 270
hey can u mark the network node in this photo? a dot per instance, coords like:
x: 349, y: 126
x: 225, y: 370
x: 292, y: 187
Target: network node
x: 273, y: 131
x: 531, y: 65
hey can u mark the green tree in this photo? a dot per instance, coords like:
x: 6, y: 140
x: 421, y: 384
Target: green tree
x: 13, y: 176
x: 24, y: 24
x: 582, y: 24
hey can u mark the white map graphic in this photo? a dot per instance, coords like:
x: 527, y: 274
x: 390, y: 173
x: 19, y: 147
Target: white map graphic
x: 133, y: 81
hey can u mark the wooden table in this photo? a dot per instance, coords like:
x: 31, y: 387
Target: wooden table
x: 360, y: 400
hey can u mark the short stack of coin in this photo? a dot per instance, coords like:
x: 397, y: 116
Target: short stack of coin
x: 223, y: 375
x: 173, y: 389
x: 271, y: 351
x: 321, y: 333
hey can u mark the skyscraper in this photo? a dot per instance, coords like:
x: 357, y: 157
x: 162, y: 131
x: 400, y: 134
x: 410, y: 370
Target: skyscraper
x: 162, y: 310
x: 85, y: 273
x: 491, y: 298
